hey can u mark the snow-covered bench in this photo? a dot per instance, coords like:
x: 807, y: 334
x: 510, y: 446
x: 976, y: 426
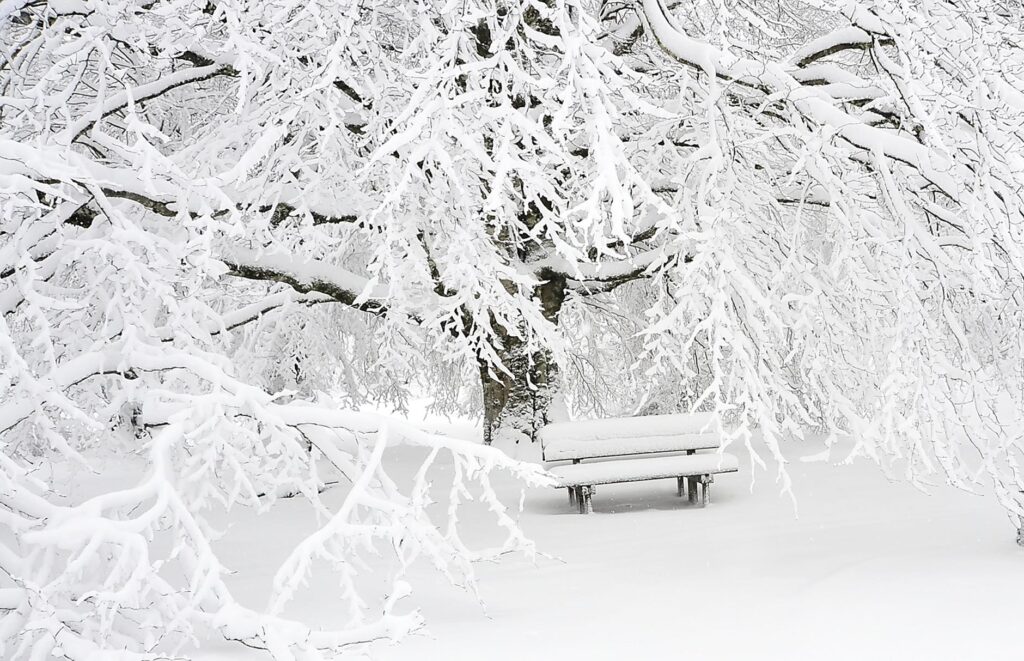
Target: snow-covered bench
x: 633, y: 450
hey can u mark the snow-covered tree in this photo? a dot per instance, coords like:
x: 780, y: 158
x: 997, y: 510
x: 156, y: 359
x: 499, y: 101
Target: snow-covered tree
x: 214, y: 214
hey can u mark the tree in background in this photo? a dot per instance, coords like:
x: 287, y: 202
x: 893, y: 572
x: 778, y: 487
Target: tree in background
x: 227, y: 224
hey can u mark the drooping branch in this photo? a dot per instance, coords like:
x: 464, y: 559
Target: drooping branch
x: 311, y: 278
x: 67, y: 374
x: 810, y: 101
x: 149, y: 91
x: 252, y: 312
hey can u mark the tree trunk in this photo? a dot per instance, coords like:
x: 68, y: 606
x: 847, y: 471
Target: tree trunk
x: 517, y: 402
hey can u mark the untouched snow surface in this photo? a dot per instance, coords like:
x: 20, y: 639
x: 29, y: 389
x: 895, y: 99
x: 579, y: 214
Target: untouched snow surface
x: 871, y: 569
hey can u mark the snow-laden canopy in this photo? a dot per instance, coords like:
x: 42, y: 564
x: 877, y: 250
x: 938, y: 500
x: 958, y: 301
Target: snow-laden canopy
x: 222, y: 224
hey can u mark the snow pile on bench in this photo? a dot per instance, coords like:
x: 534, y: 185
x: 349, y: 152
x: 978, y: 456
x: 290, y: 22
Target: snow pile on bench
x: 629, y: 436
x: 648, y: 468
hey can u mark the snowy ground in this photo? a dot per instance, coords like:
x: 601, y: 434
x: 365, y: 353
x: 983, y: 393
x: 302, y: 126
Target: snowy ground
x: 869, y: 570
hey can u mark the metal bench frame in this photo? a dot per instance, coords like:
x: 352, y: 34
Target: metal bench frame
x: 697, y: 487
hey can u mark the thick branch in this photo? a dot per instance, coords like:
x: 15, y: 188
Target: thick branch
x: 838, y: 41
x: 589, y: 278
x: 311, y: 276
x: 283, y: 210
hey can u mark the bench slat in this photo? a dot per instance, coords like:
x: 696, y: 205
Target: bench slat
x: 646, y: 468
x: 611, y: 428
x: 563, y: 449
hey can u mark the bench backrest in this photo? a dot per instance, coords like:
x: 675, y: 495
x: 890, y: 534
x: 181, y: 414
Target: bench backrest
x: 591, y: 439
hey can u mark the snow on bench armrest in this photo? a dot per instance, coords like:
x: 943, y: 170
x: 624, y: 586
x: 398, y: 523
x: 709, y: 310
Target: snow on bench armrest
x: 647, y: 468
x: 561, y: 450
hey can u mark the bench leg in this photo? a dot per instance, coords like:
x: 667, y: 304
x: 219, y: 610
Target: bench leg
x: 705, y: 481
x: 586, y: 507
x: 680, y: 486
x: 692, y: 490
x: 572, y: 496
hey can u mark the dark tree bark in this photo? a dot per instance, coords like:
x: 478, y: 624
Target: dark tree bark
x: 518, y: 401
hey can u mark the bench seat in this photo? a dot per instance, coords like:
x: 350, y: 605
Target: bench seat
x: 645, y: 468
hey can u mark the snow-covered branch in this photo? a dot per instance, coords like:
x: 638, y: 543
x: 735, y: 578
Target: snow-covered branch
x: 307, y: 276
